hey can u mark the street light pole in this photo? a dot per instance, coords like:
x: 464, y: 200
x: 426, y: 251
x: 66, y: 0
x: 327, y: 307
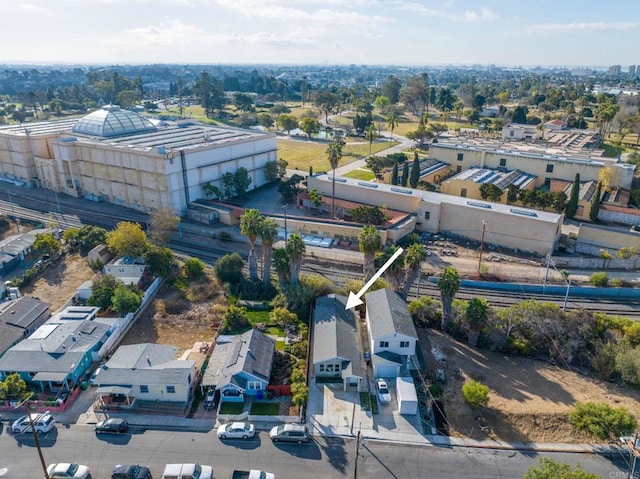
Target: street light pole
x: 35, y: 438
x: 11, y: 202
x: 284, y: 208
x: 57, y: 202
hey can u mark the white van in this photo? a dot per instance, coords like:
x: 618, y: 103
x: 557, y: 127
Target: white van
x: 94, y: 376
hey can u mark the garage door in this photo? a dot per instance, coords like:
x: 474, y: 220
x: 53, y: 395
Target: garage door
x: 386, y: 370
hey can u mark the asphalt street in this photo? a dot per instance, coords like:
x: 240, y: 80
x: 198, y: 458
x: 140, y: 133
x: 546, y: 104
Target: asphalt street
x: 325, y: 458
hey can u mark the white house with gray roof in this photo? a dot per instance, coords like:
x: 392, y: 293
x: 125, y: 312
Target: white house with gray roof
x: 147, y: 372
x: 391, y: 332
x: 239, y: 366
x: 336, y: 348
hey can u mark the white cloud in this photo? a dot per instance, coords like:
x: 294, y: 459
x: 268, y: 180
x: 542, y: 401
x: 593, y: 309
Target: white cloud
x: 32, y: 9
x: 580, y: 26
x: 484, y: 15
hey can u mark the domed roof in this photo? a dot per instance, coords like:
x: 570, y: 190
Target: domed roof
x: 111, y: 121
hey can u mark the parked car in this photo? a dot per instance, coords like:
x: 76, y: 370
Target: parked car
x: 384, y: 396
x: 43, y: 422
x: 65, y: 470
x: 236, y: 430
x: 187, y: 471
x: 210, y: 399
x: 128, y: 471
x: 114, y: 424
x: 290, y: 432
x: 252, y: 474
x: 94, y: 376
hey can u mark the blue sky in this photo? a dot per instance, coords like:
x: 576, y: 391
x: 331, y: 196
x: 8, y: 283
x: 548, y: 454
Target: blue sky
x: 402, y: 32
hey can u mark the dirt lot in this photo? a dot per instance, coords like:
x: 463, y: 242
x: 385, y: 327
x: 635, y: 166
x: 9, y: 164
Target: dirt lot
x: 529, y: 400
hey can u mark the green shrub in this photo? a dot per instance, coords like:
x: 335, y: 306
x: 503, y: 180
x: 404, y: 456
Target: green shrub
x: 602, y: 420
x: 600, y: 279
x: 617, y: 282
x: 193, y: 268
x: 550, y: 469
x: 628, y: 365
x: 475, y: 393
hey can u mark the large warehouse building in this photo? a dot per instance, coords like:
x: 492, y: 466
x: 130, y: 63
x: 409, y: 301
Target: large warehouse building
x: 121, y: 157
x: 504, y: 225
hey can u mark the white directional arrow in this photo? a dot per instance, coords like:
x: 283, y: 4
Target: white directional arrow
x: 354, y: 299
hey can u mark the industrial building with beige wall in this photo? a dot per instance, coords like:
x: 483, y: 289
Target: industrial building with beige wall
x: 121, y: 157
x: 504, y: 225
x: 533, y: 158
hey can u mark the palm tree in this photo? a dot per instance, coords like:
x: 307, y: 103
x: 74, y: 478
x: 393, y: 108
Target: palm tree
x: 250, y: 223
x: 395, y: 271
x: 392, y: 122
x: 476, y: 314
x: 370, y: 243
x: 334, y: 151
x: 281, y: 264
x: 370, y: 133
x: 268, y: 233
x: 448, y: 284
x: 415, y: 256
x: 295, y: 249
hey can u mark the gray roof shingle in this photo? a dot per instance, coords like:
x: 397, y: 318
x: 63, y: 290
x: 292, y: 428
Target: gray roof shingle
x: 335, y: 332
x: 388, y: 314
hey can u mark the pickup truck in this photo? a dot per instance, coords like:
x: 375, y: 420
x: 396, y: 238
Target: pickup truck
x: 187, y: 471
x: 252, y: 474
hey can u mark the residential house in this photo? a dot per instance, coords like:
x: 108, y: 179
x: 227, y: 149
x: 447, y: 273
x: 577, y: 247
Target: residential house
x: 127, y: 270
x: 336, y: 348
x: 391, y: 332
x: 58, y: 354
x: 100, y: 253
x: 146, y: 372
x: 19, y: 318
x: 239, y: 366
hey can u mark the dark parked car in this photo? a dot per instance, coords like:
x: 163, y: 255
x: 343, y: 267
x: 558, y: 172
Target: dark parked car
x: 130, y: 472
x: 112, y: 425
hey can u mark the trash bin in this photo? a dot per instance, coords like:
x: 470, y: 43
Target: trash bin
x: 84, y: 385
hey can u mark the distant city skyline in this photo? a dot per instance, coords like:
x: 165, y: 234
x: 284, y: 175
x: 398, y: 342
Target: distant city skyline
x: 568, y: 33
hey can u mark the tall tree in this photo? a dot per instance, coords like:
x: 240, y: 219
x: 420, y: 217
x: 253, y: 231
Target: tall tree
x: 415, y: 256
x: 394, y: 274
x: 572, y: 205
x: 334, y: 152
x: 476, y: 315
x: 268, y: 234
x: 371, y: 133
x: 326, y: 102
x: 394, y: 174
x: 281, y: 265
x: 448, y: 284
x: 414, y: 179
x: 287, y: 122
x: 309, y: 126
x: 595, y: 203
x: 405, y: 174
x: 250, y: 223
x: 391, y: 89
x: 162, y: 223
x: 128, y: 239
x: 295, y: 249
x: 392, y: 123
x: 370, y: 243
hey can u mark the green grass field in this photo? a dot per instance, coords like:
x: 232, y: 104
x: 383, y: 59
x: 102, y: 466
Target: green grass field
x: 265, y: 409
x: 231, y: 407
x: 301, y: 154
x: 359, y: 174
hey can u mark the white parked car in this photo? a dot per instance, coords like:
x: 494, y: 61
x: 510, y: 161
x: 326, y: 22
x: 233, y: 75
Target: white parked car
x: 236, y: 430
x: 187, y: 471
x: 65, y: 470
x: 384, y: 396
x: 43, y: 422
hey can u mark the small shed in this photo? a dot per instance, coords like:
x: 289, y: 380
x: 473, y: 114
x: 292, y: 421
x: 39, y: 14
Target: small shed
x: 85, y: 291
x: 407, y: 396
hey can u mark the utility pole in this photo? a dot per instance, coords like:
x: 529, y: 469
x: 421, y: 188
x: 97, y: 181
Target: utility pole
x: 35, y: 437
x: 355, y: 467
x: 284, y: 208
x: 484, y: 225
x: 566, y: 296
x: 634, y: 454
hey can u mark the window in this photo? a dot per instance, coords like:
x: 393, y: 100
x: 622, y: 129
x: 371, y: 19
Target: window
x: 254, y: 385
x: 384, y: 344
x: 503, y: 162
x: 460, y: 156
x: 171, y: 389
x: 404, y: 344
x: 549, y: 168
x: 547, y: 182
x: 144, y: 388
x: 459, y: 169
x: 427, y: 215
x: 512, y: 133
x: 463, y: 192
